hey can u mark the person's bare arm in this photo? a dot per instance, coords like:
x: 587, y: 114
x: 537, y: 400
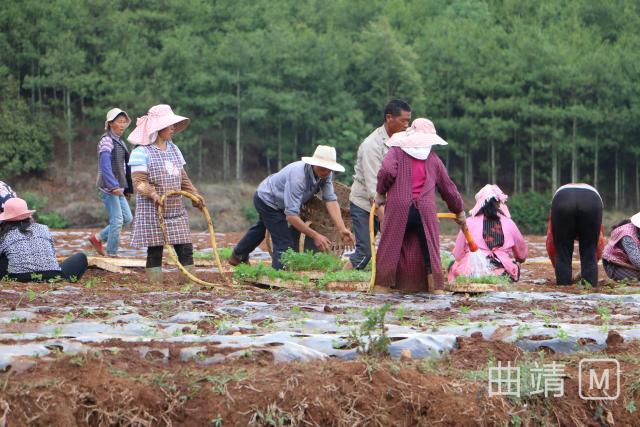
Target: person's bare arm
x: 333, y: 208
x: 321, y: 242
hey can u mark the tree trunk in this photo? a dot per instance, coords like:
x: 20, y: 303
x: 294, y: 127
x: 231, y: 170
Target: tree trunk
x: 617, y: 180
x: 69, y: 136
x: 554, y: 166
x: 268, y: 165
x: 595, y: 162
x: 532, y: 179
x: 238, y: 144
x: 493, y: 162
x: 295, y: 146
x: 279, y: 145
x: 574, y: 152
x: 200, y: 158
x: 637, y: 182
x: 225, y: 155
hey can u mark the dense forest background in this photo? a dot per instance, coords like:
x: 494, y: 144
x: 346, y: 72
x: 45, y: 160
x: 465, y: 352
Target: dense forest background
x: 530, y: 94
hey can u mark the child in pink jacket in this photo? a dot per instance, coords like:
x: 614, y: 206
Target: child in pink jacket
x: 496, y: 235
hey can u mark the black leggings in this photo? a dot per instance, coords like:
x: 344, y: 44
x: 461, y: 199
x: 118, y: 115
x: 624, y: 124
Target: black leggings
x: 414, y: 225
x: 576, y: 213
x: 72, y: 269
x: 183, y: 250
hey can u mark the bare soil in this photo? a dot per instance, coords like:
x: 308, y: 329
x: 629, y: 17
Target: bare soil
x: 148, y: 381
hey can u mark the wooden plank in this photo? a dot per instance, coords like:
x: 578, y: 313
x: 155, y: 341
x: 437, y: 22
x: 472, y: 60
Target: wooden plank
x: 347, y: 286
x: 472, y: 288
x: 108, y: 264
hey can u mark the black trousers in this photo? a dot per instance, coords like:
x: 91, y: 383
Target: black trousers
x: 414, y: 225
x: 283, y: 236
x: 360, y: 218
x: 184, y: 252
x: 72, y: 269
x: 576, y: 212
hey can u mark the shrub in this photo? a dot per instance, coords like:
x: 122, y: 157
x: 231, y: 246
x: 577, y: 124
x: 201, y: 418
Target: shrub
x: 253, y: 272
x: 53, y: 220
x: 530, y: 211
x: 250, y: 213
x: 34, y: 201
x: 25, y: 145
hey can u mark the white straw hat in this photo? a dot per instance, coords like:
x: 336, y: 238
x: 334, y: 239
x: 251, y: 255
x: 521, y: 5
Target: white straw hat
x: 325, y: 157
x: 635, y: 220
x: 112, y: 114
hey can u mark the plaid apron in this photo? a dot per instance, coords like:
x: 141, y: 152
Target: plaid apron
x: 164, y: 170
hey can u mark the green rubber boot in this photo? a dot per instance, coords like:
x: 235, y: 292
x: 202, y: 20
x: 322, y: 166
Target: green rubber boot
x: 184, y: 280
x: 154, y: 275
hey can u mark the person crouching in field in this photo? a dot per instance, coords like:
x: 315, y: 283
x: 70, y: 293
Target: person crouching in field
x: 576, y: 214
x: 27, y: 252
x: 114, y: 182
x: 410, y: 242
x: 157, y: 167
x: 496, y: 235
x: 621, y: 256
x: 280, y: 197
x: 6, y: 193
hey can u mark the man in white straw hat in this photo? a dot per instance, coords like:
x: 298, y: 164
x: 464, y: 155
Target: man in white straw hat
x: 279, y: 198
x: 114, y: 181
x: 397, y: 116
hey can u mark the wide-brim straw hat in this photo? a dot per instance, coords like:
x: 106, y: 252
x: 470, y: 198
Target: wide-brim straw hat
x: 325, y: 157
x: 158, y: 117
x: 421, y: 134
x: 112, y: 114
x: 635, y: 220
x: 15, y: 209
x: 488, y: 192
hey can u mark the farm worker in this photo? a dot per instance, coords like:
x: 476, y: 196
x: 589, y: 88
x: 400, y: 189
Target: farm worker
x: 496, y: 235
x: 397, y: 116
x: 6, y: 193
x: 621, y: 256
x: 157, y: 167
x: 114, y: 181
x: 279, y: 198
x: 409, y: 246
x: 27, y: 252
x: 576, y: 214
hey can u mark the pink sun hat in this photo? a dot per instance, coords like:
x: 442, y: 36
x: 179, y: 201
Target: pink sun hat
x: 15, y: 209
x: 421, y: 134
x: 158, y: 118
x: 488, y: 192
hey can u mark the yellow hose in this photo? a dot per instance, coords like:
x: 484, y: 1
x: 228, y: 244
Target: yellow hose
x: 212, y: 234
x: 372, y: 217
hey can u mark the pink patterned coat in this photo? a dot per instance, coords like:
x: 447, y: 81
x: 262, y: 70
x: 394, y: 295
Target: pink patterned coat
x: 399, y: 261
x: 513, y: 242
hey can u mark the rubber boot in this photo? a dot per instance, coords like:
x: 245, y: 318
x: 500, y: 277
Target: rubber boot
x: 184, y: 280
x: 154, y: 275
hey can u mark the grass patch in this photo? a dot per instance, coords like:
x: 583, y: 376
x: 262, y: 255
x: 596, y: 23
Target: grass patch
x: 224, y: 253
x: 300, y: 261
x: 491, y: 280
x: 253, y: 272
x: 344, y: 276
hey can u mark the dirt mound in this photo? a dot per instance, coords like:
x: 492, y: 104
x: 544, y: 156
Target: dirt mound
x: 475, y: 352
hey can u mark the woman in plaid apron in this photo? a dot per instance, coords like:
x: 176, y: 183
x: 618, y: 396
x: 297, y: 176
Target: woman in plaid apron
x: 157, y: 168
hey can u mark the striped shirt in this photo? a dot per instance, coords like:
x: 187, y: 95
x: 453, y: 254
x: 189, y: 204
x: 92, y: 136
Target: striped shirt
x: 139, y: 159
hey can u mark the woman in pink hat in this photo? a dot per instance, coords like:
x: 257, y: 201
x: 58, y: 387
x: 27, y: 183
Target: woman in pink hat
x: 407, y: 181
x: 621, y: 256
x: 27, y: 252
x: 114, y: 181
x: 157, y: 167
x: 496, y: 235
